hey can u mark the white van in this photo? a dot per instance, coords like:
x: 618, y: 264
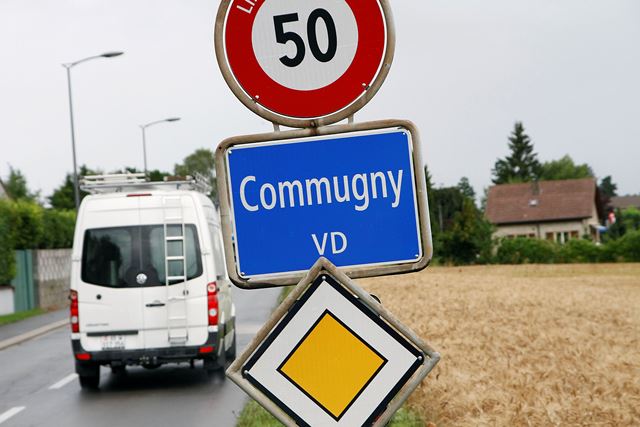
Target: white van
x: 148, y: 280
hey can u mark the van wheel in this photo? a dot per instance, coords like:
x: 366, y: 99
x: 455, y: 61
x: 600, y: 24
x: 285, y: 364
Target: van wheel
x: 213, y: 367
x: 89, y: 382
x: 89, y: 375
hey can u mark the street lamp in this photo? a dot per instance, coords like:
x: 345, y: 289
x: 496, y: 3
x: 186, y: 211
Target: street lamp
x: 68, y: 66
x: 144, y: 139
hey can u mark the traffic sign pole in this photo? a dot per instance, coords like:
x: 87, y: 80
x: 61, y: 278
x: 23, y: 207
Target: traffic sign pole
x: 328, y: 191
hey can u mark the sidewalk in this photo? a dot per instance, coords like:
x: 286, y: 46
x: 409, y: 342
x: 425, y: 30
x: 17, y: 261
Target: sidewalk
x: 34, y: 323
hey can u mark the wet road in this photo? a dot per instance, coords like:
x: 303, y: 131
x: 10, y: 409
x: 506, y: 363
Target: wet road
x: 38, y: 386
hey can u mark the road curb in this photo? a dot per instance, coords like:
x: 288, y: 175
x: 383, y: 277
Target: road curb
x: 32, y: 334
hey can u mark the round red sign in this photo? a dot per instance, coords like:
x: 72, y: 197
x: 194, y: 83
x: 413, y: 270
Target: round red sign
x: 304, y: 63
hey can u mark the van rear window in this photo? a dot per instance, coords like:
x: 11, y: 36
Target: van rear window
x: 127, y: 257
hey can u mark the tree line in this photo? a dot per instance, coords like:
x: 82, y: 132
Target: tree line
x: 462, y: 234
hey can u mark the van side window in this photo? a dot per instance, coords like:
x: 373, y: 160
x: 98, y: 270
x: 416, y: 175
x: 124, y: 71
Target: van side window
x: 218, y: 252
x: 135, y: 256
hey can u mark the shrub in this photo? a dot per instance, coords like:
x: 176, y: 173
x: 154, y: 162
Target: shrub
x: 579, y: 251
x: 610, y: 252
x: 7, y: 242
x: 58, y: 228
x: 523, y: 250
x: 29, y: 226
x: 629, y: 246
x: 26, y: 225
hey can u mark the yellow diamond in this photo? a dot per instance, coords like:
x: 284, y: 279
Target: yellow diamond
x: 332, y: 365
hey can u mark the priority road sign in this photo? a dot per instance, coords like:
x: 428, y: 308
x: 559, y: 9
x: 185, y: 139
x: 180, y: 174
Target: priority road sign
x: 331, y: 355
x: 354, y: 194
x: 304, y: 63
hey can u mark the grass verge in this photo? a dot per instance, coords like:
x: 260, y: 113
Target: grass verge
x: 21, y: 315
x: 254, y: 415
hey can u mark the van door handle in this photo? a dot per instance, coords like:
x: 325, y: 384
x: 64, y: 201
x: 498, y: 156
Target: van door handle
x: 156, y: 304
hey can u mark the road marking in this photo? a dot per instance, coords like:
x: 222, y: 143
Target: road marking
x: 10, y: 413
x: 66, y: 380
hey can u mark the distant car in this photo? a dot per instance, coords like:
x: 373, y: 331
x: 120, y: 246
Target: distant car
x: 149, y: 284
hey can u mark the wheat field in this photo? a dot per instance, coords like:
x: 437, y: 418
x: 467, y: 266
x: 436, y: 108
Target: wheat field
x: 533, y: 345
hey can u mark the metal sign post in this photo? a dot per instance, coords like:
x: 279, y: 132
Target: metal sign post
x: 331, y: 355
x: 353, y: 197
x: 354, y: 194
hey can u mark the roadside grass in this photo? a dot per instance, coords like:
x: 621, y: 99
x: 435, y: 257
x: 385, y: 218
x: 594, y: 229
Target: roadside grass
x: 16, y: 317
x: 253, y: 415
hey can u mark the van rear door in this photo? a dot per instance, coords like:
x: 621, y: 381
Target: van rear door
x: 108, y: 293
x: 175, y: 305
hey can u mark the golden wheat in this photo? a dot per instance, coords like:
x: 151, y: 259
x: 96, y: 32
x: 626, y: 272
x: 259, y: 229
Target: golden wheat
x: 525, y: 345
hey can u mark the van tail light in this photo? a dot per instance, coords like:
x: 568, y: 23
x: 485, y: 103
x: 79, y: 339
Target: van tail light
x: 73, y: 312
x: 212, y: 303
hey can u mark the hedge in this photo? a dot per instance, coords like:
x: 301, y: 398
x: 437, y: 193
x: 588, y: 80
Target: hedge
x: 524, y: 250
x: 25, y: 225
x: 7, y: 242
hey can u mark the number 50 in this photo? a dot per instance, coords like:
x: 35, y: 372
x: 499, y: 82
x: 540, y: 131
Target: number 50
x: 283, y: 37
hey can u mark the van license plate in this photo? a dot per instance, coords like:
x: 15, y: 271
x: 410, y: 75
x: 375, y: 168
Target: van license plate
x: 113, y: 342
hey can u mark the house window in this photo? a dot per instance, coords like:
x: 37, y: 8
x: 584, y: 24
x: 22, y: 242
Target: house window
x: 550, y: 236
x: 562, y: 237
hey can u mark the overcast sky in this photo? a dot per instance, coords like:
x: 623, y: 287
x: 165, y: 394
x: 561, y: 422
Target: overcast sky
x: 464, y: 72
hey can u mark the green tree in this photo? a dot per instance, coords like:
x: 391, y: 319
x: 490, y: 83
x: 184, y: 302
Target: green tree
x: 16, y: 186
x: 522, y: 164
x: 63, y: 196
x: 469, y: 240
x: 157, y: 175
x: 200, y: 161
x: 608, y: 188
x: 564, y: 168
x: 466, y: 189
x: 447, y: 202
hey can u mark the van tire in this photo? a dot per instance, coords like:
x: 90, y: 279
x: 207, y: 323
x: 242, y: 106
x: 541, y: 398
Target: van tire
x: 89, y: 375
x: 213, y: 367
x: 90, y: 382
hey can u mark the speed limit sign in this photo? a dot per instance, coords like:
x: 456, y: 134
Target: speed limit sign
x: 304, y: 63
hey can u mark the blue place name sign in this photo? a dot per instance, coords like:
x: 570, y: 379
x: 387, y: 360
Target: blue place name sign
x: 350, y: 197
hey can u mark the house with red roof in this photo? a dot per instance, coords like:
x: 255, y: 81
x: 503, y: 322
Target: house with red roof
x: 553, y: 210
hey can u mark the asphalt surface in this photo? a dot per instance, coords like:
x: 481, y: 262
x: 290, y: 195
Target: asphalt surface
x: 38, y: 386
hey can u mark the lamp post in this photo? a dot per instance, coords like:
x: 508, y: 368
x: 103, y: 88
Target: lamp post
x: 144, y: 138
x: 68, y: 66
